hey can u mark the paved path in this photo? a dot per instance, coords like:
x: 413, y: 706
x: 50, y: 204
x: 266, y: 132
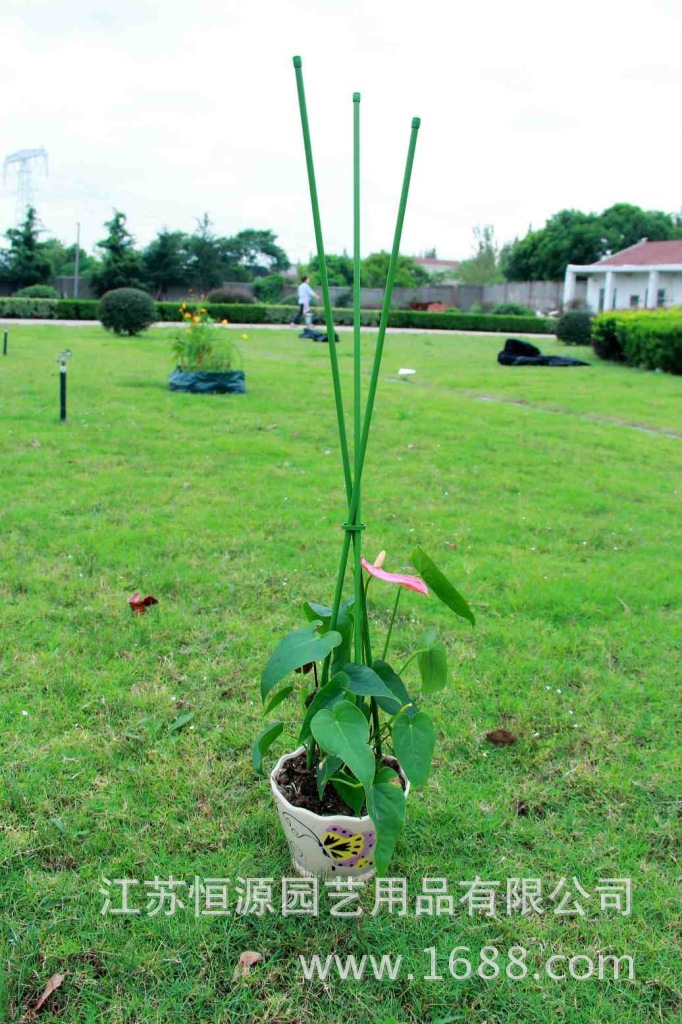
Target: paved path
x: 284, y: 327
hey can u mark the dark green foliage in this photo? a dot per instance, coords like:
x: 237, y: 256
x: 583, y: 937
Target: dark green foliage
x: 163, y: 262
x: 229, y: 293
x: 650, y: 339
x: 126, y: 311
x: 512, y: 309
x: 77, y: 309
x: 25, y: 262
x: 605, y: 338
x: 574, y: 328
x: 571, y: 236
x: 37, y: 291
x: 121, y: 266
x: 269, y: 288
x: 256, y: 252
x: 339, y: 270
x: 408, y: 273
x: 29, y: 309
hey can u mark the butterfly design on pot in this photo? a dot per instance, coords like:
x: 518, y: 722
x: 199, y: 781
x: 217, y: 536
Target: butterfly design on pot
x: 341, y: 846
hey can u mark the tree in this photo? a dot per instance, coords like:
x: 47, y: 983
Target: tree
x: 484, y: 266
x: 163, y: 262
x: 339, y: 270
x: 204, y: 257
x: 257, y: 252
x: 120, y: 266
x: 408, y: 274
x: 624, y: 225
x: 25, y: 262
x: 571, y: 236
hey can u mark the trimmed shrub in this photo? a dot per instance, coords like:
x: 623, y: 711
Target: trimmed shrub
x: 77, y: 309
x: 654, y: 342
x: 222, y: 295
x: 126, y: 311
x: 512, y: 309
x: 269, y: 288
x: 29, y: 309
x: 650, y: 339
x: 605, y: 338
x: 574, y: 328
x: 37, y: 291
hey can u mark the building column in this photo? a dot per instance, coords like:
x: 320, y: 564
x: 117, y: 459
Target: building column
x: 609, y: 288
x: 569, y: 286
x: 652, y: 291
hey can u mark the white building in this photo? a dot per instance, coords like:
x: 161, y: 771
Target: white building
x: 646, y: 275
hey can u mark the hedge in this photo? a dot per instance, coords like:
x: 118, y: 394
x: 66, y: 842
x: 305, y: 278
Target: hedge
x: 651, y: 339
x: 257, y: 313
x: 261, y: 314
x: 29, y: 309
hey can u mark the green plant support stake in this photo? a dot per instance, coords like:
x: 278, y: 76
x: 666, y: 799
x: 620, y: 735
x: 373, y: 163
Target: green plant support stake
x: 324, y: 281
x: 357, y: 367
x: 4, y: 344
x: 378, y: 353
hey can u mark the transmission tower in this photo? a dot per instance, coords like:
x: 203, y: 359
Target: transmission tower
x: 23, y: 164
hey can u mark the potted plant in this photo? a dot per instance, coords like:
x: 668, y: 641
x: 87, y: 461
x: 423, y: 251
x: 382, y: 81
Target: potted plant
x: 206, y: 358
x: 363, y: 739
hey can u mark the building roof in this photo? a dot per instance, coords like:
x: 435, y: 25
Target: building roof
x: 645, y: 254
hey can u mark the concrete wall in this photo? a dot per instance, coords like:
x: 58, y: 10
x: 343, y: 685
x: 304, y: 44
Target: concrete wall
x: 542, y: 295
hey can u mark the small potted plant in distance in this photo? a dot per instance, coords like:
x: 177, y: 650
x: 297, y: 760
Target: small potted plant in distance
x: 205, y: 356
x: 363, y: 740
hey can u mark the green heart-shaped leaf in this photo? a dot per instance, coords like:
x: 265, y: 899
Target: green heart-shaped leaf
x: 325, y: 769
x: 295, y: 650
x: 263, y: 742
x: 331, y: 694
x: 386, y: 806
x: 401, y: 698
x: 365, y: 682
x: 352, y: 792
x: 413, y: 742
x: 343, y: 731
x: 441, y: 585
x: 433, y: 662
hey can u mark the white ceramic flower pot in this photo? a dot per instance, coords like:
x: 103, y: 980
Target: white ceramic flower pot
x: 325, y: 844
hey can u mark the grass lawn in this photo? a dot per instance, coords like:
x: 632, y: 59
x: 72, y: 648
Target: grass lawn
x: 551, y: 497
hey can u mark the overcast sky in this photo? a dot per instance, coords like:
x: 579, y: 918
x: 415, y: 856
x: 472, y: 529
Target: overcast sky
x: 167, y: 110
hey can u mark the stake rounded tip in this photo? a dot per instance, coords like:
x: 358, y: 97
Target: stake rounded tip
x: 416, y: 121
x: 298, y: 63
x: 356, y: 97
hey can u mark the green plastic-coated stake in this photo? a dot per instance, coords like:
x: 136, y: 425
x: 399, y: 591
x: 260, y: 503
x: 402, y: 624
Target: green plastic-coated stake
x: 357, y: 368
x: 329, y: 320
x: 354, y: 500
x: 383, y: 322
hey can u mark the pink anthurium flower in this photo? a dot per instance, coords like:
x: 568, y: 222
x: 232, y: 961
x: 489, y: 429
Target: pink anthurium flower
x: 411, y: 582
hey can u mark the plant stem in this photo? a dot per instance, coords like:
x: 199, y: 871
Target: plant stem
x: 390, y: 628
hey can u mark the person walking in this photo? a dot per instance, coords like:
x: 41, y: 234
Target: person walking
x: 305, y: 295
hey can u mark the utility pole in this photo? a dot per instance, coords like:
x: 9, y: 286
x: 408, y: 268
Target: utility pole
x: 78, y: 259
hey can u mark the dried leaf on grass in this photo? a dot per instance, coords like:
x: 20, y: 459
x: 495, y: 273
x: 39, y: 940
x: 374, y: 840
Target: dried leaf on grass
x: 500, y: 737
x: 53, y: 984
x: 246, y: 961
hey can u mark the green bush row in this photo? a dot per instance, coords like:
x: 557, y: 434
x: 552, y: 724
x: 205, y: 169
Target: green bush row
x: 256, y: 313
x: 651, y: 339
x: 29, y: 309
x: 261, y: 314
